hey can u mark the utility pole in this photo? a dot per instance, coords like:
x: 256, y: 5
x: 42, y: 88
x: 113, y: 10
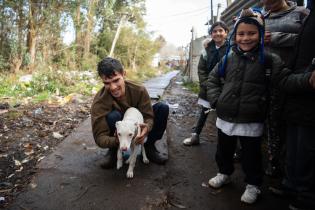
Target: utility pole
x: 122, y: 20
x: 191, y: 53
x: 219, y: 6
x: 211, y: 5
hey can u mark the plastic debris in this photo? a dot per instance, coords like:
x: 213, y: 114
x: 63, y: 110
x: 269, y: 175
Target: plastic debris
x: 33, y: 185
x: 57, y: 135
x: 17, y: 163
x: 40, y: 158
x: 25, y: 160
x: 26, y: 78
x: 37, y: 112
x: 173, y: 106
x: 20, y: 169
x: 11, y: 175
x: 203, y: 184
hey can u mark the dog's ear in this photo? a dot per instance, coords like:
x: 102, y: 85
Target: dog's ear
x: 117, y: 123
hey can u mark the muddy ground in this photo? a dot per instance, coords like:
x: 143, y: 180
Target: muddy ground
x: 180, y: 184
x: 28, y: 134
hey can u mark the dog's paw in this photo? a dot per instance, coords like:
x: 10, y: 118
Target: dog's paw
x: 146, y: 160
x: 129, y: 174
x: 119, y: 164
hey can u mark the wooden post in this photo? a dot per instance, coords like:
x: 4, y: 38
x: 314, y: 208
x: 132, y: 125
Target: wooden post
x: 211, y: 4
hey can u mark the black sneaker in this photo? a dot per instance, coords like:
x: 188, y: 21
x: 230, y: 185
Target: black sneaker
x: 283, y: 191
x: 154, y: 155
x: 110, y: 160
x: 299, y: 205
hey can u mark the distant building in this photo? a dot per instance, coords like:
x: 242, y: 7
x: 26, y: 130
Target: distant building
x: 196, y: 48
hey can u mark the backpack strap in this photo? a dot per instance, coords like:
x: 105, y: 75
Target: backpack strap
x: 268, y: 67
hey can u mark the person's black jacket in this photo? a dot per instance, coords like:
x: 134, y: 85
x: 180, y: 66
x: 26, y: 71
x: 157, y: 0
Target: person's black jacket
x: 300, y: 100
x: 241, y: 95
x: 208, y: 59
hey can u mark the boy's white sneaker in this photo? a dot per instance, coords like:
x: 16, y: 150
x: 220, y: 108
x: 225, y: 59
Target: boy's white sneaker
x: 250, y: 195
x: 219, y: 180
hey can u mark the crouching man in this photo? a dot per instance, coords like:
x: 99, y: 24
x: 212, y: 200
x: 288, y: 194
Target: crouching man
x: 109, y: 106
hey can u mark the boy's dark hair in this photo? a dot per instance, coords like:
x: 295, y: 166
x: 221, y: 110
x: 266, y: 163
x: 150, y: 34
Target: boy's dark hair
x: 109, y: 66
x: 218, y: 23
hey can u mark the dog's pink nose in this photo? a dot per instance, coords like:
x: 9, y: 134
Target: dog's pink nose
x: 124, y: 148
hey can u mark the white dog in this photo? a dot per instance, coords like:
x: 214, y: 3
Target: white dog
x: 127, y: 130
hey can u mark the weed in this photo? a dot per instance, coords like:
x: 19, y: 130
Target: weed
x: 192, y: 86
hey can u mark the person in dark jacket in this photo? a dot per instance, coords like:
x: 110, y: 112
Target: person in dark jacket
x: 237, y: 89
x: 283, y: 21
x: 211, y: 55
x: 298, y: 83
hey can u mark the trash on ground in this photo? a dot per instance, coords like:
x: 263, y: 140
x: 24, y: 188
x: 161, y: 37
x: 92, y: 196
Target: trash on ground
x: 57, y: 135
x: 173, y: 106
x: 203, y: 184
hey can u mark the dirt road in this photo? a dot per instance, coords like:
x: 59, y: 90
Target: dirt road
x: 71, y: 178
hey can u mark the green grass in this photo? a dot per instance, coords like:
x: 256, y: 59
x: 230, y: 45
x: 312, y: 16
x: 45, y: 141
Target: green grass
x: 47, y: 83
x: 43, y: 96
x: 44, y: 85
x: 192, y: 86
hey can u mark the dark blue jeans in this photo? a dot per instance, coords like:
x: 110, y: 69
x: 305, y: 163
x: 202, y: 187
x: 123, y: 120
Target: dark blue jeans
x: 300, y: 160
x: 161, y: 112
x: 201, y: 121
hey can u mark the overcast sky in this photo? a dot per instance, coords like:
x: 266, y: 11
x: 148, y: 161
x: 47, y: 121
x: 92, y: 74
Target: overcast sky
x: 174, y: 19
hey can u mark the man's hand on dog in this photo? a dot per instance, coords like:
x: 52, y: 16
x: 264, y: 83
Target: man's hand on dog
x: 144, y: 132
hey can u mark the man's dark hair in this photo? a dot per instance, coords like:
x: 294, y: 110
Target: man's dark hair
x: 218, y: 23
x: 109, y: 66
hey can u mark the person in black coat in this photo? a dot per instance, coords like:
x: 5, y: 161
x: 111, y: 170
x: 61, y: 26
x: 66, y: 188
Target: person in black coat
x: 211, y: 55
x: 298, y: 83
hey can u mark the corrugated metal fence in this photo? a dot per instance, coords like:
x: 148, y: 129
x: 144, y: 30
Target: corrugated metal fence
x: 235, y: 8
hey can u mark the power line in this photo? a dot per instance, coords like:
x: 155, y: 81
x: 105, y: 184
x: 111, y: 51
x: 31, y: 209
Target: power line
x: 174, y: 19
x: 182, y: 13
